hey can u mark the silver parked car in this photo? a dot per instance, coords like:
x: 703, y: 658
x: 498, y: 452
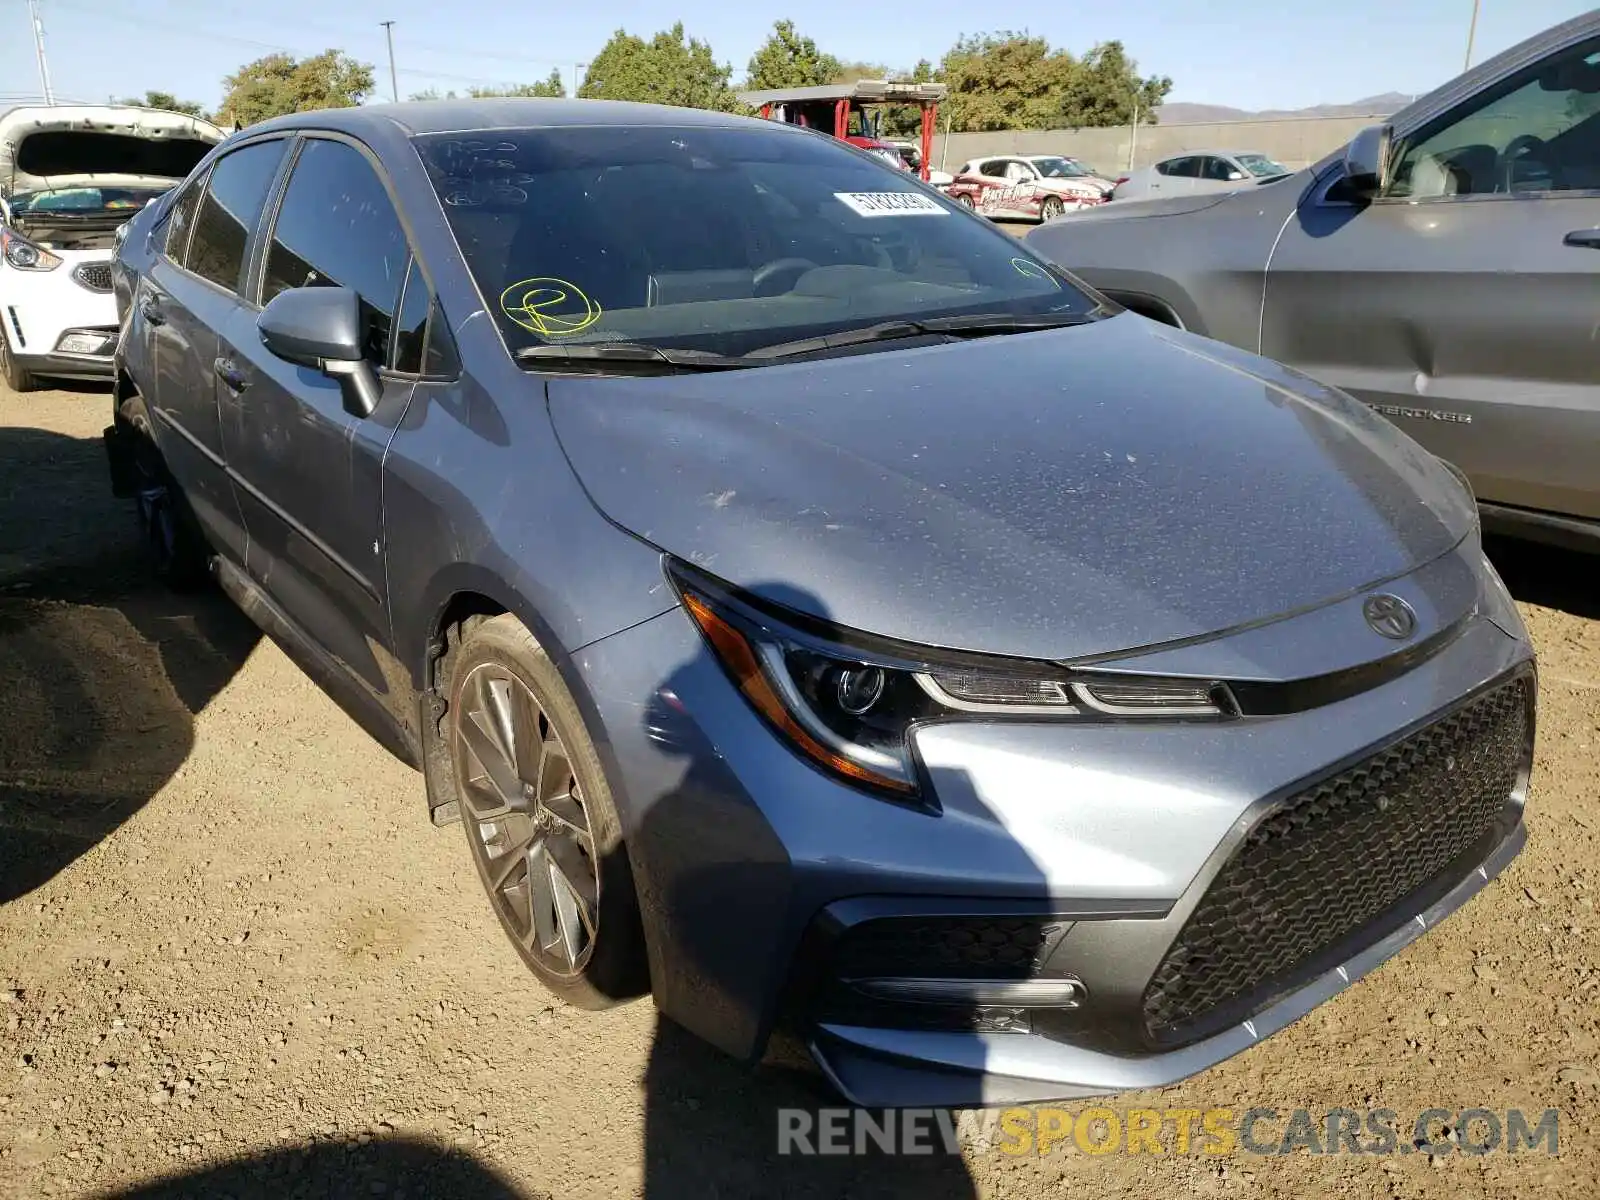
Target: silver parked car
x: 1442, y: 268
x: 1199, y: 171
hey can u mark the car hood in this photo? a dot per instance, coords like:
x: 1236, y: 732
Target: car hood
x: 99, y: 144
x: 1049, y: 495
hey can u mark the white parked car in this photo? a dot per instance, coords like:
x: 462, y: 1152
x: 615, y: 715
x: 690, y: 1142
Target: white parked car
x: 1036, y: 187
x: 1199, y: 171
x: 70, y: 175
x: 911, y: 155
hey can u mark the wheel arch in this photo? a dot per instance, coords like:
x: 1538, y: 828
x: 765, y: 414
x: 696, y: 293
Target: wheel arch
x: 459, y: 596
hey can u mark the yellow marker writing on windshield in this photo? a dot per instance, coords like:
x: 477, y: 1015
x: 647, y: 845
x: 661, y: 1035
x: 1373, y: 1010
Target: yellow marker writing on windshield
x: 548, y: 306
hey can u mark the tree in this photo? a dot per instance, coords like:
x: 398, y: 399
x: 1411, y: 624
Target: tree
x: 787, y: 60
x: 551, y: 87
x: 668, y: 69
x: 1015, y: 81
x: 278, y: 84
x: 167, y: 102
x: 1105, y: 88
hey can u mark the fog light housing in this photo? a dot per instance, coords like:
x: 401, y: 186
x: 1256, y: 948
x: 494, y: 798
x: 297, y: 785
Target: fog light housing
x: 85, y: 341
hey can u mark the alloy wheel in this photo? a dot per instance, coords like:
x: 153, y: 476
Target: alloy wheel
x: 526, y: 820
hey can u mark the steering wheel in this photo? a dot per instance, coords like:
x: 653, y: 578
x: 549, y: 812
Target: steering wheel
x: 786, y: 271
x: 1524, y: 144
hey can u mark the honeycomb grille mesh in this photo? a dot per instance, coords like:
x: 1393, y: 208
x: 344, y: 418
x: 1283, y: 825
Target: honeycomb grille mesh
x: 949, y: 947
x: 1335, y: 856
x: 95, y: 276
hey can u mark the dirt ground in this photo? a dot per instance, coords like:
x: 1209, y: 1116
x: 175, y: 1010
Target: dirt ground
x: 236, y: 959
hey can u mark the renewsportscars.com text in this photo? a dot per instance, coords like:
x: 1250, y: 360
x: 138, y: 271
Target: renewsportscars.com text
x: 1214, y: 1131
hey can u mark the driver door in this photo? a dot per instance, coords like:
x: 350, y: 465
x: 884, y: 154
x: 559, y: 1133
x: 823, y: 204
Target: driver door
x: 1463, y: 303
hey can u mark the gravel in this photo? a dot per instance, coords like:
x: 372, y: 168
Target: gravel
x: 234, y: 951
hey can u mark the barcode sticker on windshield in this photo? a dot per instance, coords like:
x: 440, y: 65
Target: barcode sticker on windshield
x: 892, y: 204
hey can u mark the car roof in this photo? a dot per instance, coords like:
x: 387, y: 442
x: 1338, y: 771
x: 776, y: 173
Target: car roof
x: 416, y: 117
x: 1215, y: 154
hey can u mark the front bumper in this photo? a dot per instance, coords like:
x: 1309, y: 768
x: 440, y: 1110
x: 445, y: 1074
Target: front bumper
x: 44, y: 313
x: 881, y: 1067
x: 750, y: 864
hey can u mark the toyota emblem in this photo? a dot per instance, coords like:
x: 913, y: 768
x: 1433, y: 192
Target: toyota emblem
x: 1389, y: 616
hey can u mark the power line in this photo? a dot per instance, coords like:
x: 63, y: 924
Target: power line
x: 200, y: 33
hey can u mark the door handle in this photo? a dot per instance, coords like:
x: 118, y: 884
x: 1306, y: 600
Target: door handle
x: 1588, y: 239
x: 151, y: 310
x: 232, y: 378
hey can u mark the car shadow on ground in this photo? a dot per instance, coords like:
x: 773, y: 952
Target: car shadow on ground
x: 396, y: 1169
x: 103, y: 669
x: 1548, y: 576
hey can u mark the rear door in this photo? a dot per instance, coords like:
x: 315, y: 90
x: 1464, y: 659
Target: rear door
x: 306, y: 470
x: 1463, y: 304
x: 189, y: 293
x: 1176, y: 176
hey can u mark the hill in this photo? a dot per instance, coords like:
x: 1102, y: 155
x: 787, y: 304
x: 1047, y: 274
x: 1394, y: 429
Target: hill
x: 1193, y: 114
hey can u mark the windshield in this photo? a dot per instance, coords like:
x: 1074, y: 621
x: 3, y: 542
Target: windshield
x: 716, y: 239
x: 1260, y: 165
x: 89, y: 201
x: 1058, y: 168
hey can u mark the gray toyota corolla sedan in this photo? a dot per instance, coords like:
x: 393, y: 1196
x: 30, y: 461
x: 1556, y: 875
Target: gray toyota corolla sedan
x: 822, y: 613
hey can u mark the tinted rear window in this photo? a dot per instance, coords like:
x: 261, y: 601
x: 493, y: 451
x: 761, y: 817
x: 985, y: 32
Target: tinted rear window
x: 723, y: 239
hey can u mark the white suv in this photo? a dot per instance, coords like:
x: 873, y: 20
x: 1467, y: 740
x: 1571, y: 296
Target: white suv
x: 70, y: 175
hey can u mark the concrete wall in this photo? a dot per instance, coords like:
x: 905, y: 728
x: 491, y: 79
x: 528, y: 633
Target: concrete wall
x: 1295, y: 142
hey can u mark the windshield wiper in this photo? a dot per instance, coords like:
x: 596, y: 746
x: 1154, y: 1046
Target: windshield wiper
x: 626, y: 356
x: 976, y: 325
x: 637, y: 356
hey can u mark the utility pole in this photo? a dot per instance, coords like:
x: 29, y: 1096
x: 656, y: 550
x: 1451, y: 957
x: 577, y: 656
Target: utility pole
x: 38, y: 49
x: 394, y: 87
x: 1472, y: 33
x: 1133, y: 141
x: 577, y: 77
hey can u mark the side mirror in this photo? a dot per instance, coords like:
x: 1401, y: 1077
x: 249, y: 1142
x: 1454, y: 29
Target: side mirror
x: 320, y: 327
x: 1233, y: 175
x: 1366, y: 162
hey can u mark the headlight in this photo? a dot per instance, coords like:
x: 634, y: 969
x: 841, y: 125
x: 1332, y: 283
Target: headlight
x: 22, y: 254
x: 848, y: 703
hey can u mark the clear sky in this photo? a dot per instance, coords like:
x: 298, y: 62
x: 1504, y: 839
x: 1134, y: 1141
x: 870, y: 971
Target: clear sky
x: 1246, y: 53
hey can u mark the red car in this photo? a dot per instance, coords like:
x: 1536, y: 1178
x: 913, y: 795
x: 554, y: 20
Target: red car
x: 1038, y: 187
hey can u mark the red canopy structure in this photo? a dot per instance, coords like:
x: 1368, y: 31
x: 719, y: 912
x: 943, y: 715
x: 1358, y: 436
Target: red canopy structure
x: 830, y: 107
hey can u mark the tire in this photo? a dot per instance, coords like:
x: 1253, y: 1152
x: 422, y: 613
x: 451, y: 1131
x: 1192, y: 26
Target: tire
x: 1050, y: 208
x: 965, y: 198
x: 179, y: 554
x: 549, y: 852
x: 17, y: 378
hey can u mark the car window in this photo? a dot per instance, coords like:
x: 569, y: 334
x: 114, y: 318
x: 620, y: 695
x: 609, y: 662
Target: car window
x: 1261, y: 166
x: 1185, y: 168
x: 995, y: 167
x: 720, y: 238
x: 411, y: 322
x: 1539, y: 131
x: 1219, y: 170
x: 1018, y: 172
x: 338, y: 228
x: 235, y: 194
x: 180, y: 219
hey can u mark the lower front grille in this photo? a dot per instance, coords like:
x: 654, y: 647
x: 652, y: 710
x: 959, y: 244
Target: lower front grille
x: 1337, y: 855
x: 1008, y: 947
x: 96, y: 276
